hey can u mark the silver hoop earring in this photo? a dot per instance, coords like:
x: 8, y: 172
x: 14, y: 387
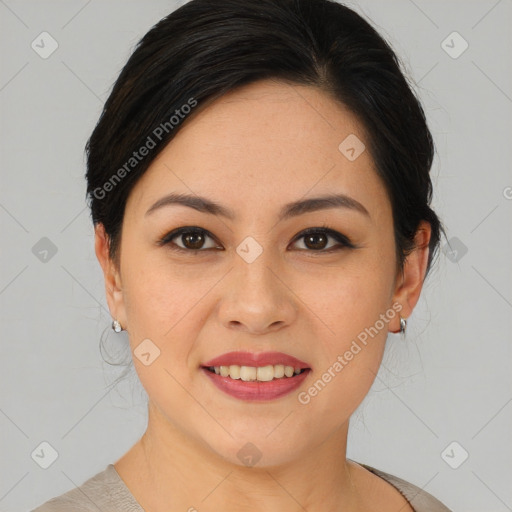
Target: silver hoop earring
x: 403, y: 325
x: 116, y: 326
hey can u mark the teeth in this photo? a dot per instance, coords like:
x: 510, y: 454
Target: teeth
x: 234, y: 371
x: 265, y: 373
x: 261, y: 373
x: 289, y: 371
x: 247, y: 373
x: 278, y: 371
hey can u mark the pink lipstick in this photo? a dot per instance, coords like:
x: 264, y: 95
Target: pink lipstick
x: 256, y: 376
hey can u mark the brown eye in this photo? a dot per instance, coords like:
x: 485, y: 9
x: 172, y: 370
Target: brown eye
x: 317, y: 239
x: 190, y: 239
x: 193, y: 240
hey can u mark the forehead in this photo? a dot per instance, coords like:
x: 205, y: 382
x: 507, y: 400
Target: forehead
x: 265, y: 144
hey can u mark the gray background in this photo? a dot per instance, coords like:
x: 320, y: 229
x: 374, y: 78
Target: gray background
x: 448, y: 381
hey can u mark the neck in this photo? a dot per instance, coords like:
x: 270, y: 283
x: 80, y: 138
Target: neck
x: 167, y: 469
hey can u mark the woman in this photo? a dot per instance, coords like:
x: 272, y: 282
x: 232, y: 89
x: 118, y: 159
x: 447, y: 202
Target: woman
x: 259, y: 186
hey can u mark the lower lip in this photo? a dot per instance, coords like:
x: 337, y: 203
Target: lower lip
x: 256, y: 390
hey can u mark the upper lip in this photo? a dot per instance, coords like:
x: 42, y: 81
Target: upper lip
x: 256, y: 359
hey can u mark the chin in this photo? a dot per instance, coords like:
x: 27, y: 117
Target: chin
x: 256, y: 448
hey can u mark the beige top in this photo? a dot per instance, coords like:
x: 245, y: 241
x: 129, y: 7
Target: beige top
x: 107, y: 492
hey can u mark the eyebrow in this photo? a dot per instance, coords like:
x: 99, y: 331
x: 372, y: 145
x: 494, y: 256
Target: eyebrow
x: 202, y: 204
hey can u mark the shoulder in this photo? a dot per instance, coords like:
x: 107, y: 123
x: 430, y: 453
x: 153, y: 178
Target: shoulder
x: 104, y: 491
x: 420, y: 500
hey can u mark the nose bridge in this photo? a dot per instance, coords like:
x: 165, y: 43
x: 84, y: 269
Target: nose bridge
x: 256, y: 299
x: 255, y: 267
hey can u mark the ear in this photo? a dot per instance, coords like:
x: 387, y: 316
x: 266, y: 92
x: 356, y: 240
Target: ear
x: 410, y: 281
x: 113, y: 284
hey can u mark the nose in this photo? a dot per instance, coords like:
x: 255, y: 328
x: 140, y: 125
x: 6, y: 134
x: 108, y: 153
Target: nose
x: 256, y: 298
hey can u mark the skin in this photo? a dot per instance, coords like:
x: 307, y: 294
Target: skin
x: 254, y: 150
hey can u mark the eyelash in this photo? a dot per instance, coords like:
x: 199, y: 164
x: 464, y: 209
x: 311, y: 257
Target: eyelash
x: 344, y: 242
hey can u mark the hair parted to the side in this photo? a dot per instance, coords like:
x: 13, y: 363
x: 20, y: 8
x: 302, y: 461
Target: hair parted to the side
x: 209, y: 47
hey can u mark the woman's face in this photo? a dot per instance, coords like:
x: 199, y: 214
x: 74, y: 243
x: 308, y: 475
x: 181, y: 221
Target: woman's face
x: 249, y: 280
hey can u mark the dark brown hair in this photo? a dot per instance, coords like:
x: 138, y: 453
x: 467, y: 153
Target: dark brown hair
x: 209, y: 47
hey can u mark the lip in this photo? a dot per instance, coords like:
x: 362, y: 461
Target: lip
x: 255, y: 390
x: 244, y: 358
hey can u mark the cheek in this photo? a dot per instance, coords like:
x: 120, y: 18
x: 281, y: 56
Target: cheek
x: 158, y: 293
x: 167, y: 304
x: 165, y: 309
x: 348, y: 362
x: 350, y: 298
x: 356, y: 311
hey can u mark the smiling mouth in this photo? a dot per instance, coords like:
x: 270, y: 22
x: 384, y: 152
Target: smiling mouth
x: 257, y: 373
